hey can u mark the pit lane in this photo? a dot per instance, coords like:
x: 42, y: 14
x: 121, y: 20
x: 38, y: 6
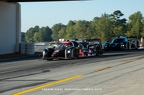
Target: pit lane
x: 25, y: 67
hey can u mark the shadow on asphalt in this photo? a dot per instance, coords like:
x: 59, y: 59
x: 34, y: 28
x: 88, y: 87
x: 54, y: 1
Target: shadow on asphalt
x: 36, y: 57
x: 105, y: 55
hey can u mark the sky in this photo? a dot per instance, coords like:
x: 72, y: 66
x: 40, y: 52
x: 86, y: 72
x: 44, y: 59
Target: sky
x: 50, y: 13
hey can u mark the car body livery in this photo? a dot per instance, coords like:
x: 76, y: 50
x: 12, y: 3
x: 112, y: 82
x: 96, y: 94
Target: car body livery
x: 67, y: 50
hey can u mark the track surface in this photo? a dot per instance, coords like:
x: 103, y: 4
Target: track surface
x: 25, y: 73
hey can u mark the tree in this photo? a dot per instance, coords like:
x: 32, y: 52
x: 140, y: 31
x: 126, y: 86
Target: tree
x: 135, y: 24
x: 38, y: 34
x: 119, y: 25
x: 55, y: 30
x: 142, y: 33
x: 70, y: 31
x: 30, y: 33
x: 44, y: 34
x: 23, y: 37
x: 36, y: 37
x: 103, y: 27
x: 95, y: 33
x: 106, y: 27
x: 80, y: 28
x: 90, y: 30
x: 62, y: 33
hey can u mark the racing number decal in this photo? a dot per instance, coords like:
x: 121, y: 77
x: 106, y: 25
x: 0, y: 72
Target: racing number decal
x: 81, y: 53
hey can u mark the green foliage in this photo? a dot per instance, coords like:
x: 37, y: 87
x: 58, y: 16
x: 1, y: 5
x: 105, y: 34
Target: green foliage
x: 119, y: 25
x: 36, y: 37
x: 80, y: 28
x: 30, y: 33
x: 55, y: 30
x: 23, y: 37
x: 142, y: 33
x: 44, y: 34
x: 62, y: 32
x: 70, y: 30
x: 135, y: 25
x: 37, y: 34
x: 105, y: 27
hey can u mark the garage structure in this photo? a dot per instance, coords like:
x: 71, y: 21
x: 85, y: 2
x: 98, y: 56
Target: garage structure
x: 10, y: 27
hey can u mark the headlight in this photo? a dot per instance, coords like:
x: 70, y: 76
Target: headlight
x: 68, y: 51
x: 122, y: 45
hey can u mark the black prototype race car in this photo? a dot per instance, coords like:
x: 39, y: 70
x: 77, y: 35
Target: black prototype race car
x: 122, y: 43
x: 71, y: 50
x: 118, y: 43
x: 67, y: 49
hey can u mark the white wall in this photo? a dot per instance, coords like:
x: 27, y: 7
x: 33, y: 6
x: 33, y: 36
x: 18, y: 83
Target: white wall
x: 9, y: 27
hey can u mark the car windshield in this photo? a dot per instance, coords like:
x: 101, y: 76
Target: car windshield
x: 118, y: 40
x: 54, y: 45
x: 60, y: 47
x: 67, y: 45
x: 133, y: 41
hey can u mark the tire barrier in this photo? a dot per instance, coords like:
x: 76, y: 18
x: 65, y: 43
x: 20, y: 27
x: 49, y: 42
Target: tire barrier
x: 27, y: 48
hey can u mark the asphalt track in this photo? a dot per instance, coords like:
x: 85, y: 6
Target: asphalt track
x: 14, y: 72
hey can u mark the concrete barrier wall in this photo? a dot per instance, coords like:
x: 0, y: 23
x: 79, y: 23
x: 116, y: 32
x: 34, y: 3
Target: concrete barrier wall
x: 9, y: 27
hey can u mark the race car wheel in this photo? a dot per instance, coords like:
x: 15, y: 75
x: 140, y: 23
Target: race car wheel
x: 97, y: 51
x: 75, y: 53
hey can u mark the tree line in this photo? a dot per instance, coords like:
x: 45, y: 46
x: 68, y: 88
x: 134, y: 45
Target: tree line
x: 105, y: 27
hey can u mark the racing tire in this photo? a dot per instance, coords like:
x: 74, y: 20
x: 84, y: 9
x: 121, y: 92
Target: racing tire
x: 128, y: 45
x: 76, y: 56
x: 76, y: 53
x: 97, y: 51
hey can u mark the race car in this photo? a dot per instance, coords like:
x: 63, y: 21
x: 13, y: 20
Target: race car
x: 119, y: 43
x: 94, y: 46
x: 66, y: 50
x: 134, y: 44
x: 122, y: 43
x: 53, y: 44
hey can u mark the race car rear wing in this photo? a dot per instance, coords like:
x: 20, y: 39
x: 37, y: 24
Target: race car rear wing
x: 92, y: 40
x: 136, y: 37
